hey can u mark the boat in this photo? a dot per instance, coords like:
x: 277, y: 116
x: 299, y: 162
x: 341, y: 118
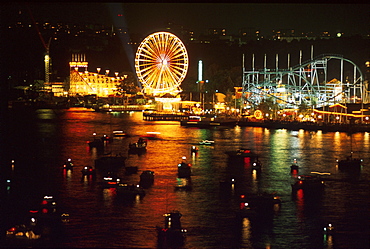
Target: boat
x: 146, y: 178
x: 262, y: 205
x: 130, y: 190
x: 88, y: 170
x: 111, y: 180
x: 96, y: 143
x: 68, y: 165
x: 194, y: 149
x: 184, y: 169
x: 294, y: 167
x: 183, y: 184
x: 350, y: 163
x: 138, y: 147
x: 171, y: 234
x: 256, y: 165
x: 151, y: 135
x: 207, y: 142
x: 22, y: 232
x: 308, y: 183
x: 242, y: 156
x: 119, y: 133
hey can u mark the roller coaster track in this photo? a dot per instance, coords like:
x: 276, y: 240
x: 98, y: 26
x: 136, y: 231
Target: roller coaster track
x: 308, y: 82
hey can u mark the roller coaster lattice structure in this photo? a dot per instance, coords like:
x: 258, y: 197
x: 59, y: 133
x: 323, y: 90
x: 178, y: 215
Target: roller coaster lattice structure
x: 323, y: 80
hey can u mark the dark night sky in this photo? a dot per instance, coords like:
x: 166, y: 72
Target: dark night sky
x: 147, y: 17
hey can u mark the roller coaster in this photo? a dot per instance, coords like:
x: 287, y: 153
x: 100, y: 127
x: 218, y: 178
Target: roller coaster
x: 320, y: 81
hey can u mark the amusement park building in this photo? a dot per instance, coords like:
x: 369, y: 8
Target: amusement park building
x: 83, y: 82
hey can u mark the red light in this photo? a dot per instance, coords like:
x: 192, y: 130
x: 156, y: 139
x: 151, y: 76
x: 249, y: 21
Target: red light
x: 44, y: 202
x: 247, y: 151
x: 12, y: 229
x: 45, y: 210
x: 34, y: 211
x: 242, y: 196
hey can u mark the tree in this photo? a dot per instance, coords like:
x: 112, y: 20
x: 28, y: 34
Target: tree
x: 128, y: 84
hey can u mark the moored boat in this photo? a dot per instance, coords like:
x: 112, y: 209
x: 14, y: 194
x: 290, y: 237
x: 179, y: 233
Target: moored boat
x: 146, y: 178
x: 207, y: 142
x: 308, y: 183
x: 350, y: 163
x: 184, y: 169
x: 119, y: 133
x: 171, y: 234
x: 129, y: 190
x: 138, y: 147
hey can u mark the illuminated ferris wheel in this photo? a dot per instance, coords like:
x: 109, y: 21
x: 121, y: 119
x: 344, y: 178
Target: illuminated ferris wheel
x: 161, y: 63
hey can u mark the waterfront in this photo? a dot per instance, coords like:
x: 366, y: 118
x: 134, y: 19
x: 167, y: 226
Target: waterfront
x: 41, y: 143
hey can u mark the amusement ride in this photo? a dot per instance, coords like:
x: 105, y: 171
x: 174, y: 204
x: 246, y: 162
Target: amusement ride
x: 161, y: 64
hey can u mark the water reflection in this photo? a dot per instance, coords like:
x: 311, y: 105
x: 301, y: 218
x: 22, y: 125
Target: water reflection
x: 209, y: 208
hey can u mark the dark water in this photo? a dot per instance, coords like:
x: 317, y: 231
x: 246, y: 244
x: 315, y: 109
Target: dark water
x: 43, y: 141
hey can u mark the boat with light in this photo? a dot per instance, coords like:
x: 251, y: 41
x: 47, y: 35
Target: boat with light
x: 68, y: 165
x: 183, y: 184
x: 119, y: 133
x: 184, y: 169
x: 350, y: 163
x: 172, y: 233
x: 263, y: 204
x: 207, y: 142
x: 146, y: 178
x: 130, y: 190
x: 22, y: 232
x: 308, y: 183
x: 88, y: 170
x: 138, y: 147
x: 194, y: 149
x: 151, y: 135
x: 111, y: 180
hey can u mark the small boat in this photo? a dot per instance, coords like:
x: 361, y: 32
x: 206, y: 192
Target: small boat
x: 146, y: 178
x: 243, y: 157
x: 184, y: 169
x: 111, y: 180
x: 207, y: 142
x: 88, y: 170
x: 194, y: 149
x: 241, y: 153
x: 262, y: 205
x: 183, y: 184
x: 151, y: 135
x: 257, y: 165
x: 171, y: 234
x: 129, y: 190
x: 119, y: 133
x: 68, y: 165
x: 350, y: 163
x: 138, y: 147
x: 308, y: 183
x: 294, y: 167
x: 22, y: 232
x: 96, y: 143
